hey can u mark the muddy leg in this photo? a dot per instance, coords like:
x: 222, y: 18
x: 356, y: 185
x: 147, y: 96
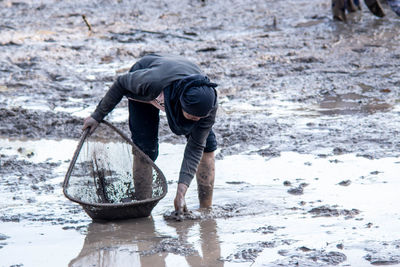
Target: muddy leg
x: 142, y: 178
x: 375, y: 7
x: 205, y: 179
x: 338, y: 10
x: 350, y: 6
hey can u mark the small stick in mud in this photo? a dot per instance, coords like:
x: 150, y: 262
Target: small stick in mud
x: 164, y: 34
x: 87, y: 22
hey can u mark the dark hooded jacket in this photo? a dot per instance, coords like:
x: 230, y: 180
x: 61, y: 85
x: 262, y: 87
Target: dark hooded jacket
x: 145, y: 81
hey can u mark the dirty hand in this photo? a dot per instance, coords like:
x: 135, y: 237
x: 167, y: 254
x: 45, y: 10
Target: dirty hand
x: 90, y: 123
x: 179, y: 202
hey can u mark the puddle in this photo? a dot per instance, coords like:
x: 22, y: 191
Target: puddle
x: 352, y: 103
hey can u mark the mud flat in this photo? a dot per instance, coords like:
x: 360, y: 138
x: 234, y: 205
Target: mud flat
x: 307, y: 130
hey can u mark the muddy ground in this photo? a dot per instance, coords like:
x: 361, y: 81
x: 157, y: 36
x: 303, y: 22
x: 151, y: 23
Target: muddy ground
x: 291, y: 80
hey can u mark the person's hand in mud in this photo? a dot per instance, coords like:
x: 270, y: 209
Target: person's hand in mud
x: 180, y: 203
x: 90, y: 123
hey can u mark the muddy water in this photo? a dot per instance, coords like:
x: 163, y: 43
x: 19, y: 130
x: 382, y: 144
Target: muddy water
x: 307, y: 127
x: 346, y: 214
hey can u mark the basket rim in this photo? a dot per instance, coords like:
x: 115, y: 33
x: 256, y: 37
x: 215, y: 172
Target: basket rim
x: 84, y: 135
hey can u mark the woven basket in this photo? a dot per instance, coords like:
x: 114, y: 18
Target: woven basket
x: 111, y: 178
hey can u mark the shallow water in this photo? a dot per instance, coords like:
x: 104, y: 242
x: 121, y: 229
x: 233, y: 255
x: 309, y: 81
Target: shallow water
x: 255, y: 220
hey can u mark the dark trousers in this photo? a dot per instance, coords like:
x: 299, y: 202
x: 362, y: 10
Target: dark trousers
x: 144, y: 120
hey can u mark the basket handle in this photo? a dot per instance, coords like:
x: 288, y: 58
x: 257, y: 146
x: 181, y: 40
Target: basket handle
x: 85, y: 134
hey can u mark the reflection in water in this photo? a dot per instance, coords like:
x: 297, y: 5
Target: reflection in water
x: 137, y: 243
x: 118, y: 244
x: 351, y: 103
x: 209, y: 240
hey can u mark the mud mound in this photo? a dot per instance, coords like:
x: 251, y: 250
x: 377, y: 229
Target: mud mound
x: 327, y: 211
x: 304, y: 256
x: 383, y: 253
x: 19, y: 122
x: 249, y: 252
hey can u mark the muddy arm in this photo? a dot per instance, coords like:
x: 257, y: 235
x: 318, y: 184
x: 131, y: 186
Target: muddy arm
x: 195, y: 147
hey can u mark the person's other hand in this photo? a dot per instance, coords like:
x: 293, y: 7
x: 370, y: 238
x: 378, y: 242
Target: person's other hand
x: 90, y: 123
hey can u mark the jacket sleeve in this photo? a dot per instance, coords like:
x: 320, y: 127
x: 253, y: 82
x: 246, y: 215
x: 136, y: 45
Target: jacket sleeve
x: 134, y: 83
x: 140, y: 82
x: 109, y: 101
x: 194, y: 148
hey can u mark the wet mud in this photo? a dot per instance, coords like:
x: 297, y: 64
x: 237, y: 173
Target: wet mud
x: 291, y: 80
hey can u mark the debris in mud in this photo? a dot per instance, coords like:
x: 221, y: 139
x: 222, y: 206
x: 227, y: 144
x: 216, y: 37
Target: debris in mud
x: 345, y: 183
x: 369, y: 225
x: 12, y: 218
x: 339, y: 151
x: 235, y: 182
x: 297, y: 190
x: 287, y: 183
x: 268, y: 229
x: 311, y: 258
x: 307, y: 60
x: 2, y: 238
x: 249, y: 252
x: 207, y: 49
x: 304, y: 249
x: 327, y: 211
x: 171, y: 245
x: 367, y: 156
x: 268, y: 152
x: 375, y: 172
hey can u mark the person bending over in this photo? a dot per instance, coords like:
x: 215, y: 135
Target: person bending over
x: 177, y: 87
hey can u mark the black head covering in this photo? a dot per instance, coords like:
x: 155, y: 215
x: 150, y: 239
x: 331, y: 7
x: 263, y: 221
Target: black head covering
x: 198, y: 100
x: 195, y: 94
